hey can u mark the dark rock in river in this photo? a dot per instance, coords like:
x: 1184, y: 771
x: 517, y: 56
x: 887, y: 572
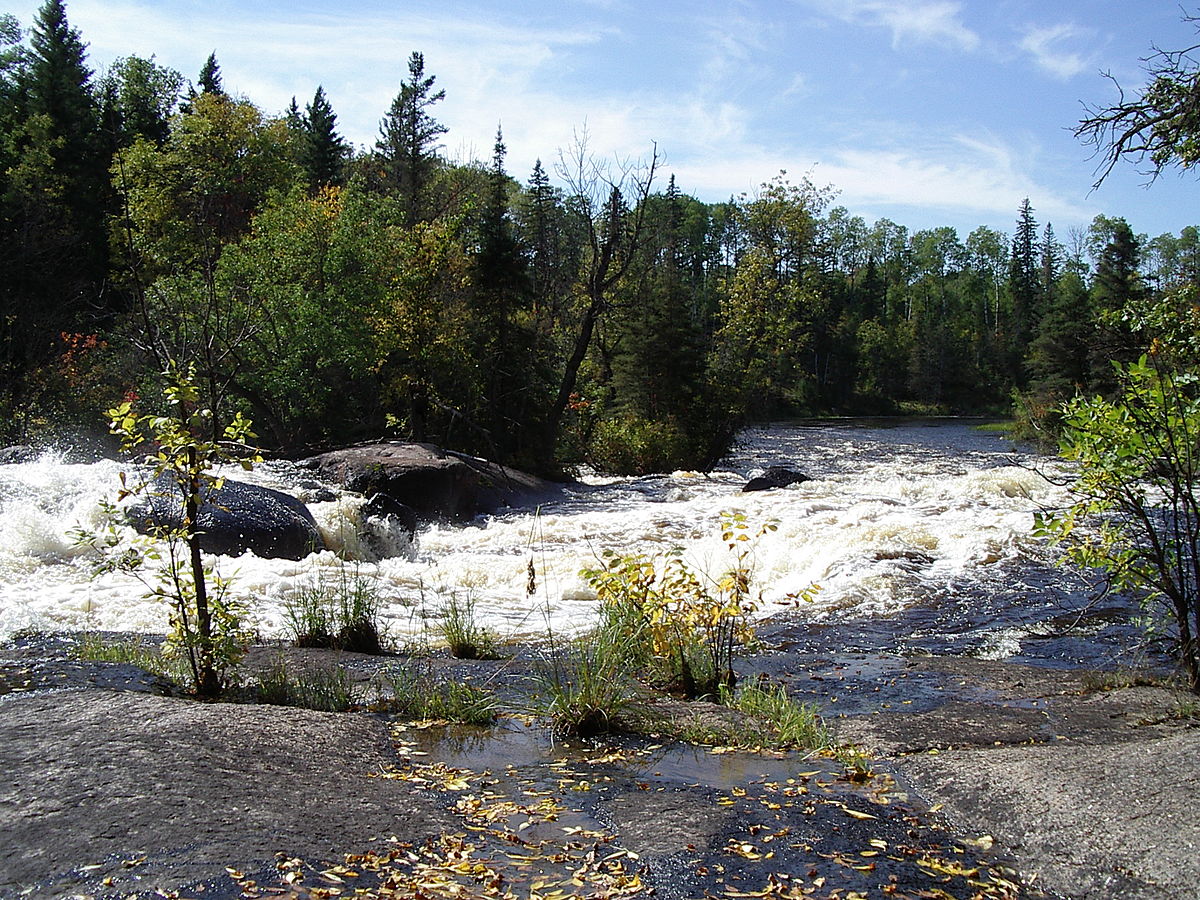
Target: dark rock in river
x: 382, y: 506
x: 18, y: 453
x: 236, y: 518
x: 775, y: 477
x: 434, y: 483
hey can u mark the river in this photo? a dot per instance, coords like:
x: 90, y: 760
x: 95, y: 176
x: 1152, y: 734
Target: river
x: 920, y: 531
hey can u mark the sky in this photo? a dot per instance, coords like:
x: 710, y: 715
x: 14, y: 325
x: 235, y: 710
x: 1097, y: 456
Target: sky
x: 926, y: 112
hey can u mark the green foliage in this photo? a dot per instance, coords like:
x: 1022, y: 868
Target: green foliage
x: 326, y: 690
x: 631, y: 445
x: 463, y: 634
x: 341, y: 612
x: 419, y: 695
x: 206, y: 622
x: 692, y: 622
x: 1138, y: 458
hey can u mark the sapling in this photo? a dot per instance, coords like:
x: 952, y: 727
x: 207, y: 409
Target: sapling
x: 206, y: 622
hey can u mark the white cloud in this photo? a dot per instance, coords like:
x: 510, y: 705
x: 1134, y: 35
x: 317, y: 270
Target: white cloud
x: 1045, y: 45
x: 966, y: 178
x: 919, y: 21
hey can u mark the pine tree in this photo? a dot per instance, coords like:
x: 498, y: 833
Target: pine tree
x: 408, y: 139
x: 53, y: 250
x: 323, y: 150
x: 1117, y: 284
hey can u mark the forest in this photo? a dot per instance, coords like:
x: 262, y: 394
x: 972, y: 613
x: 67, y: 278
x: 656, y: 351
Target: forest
x: 593, y: 312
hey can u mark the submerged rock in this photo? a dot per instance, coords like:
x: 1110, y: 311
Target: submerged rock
x: 775, y: 477
x: 432, y: 482
x: 235, y: 518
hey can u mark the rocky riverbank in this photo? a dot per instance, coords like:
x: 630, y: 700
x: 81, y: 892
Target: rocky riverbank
x: 993, y: 780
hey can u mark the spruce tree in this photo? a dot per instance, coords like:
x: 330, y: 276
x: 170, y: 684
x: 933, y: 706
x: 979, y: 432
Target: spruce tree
x: 408, y: 139
x: 210, y: 76
x: 1024, y: 290
x: 502, y: 293
x: 323, y: 150
x: 53, y: 251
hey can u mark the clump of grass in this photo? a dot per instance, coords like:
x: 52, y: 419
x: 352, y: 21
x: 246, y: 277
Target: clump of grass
x: 463, y: 634
x: 327, y: 690
x: 342, y: 614
x: 585, y: 690
x: 792, y: 724
x: 762, y: 717
x: 1124, y: 677
x: 136, y: 651
x: 419, y: 695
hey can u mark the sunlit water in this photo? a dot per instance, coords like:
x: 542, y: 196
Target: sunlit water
x: 897, y: 516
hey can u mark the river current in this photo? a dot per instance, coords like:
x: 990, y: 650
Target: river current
x: 920, y: 529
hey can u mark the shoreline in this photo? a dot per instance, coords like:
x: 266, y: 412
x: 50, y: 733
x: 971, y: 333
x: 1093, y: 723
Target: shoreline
x: 1083, y: 794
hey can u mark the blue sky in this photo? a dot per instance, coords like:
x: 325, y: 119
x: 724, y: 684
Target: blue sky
x: 927, y: 112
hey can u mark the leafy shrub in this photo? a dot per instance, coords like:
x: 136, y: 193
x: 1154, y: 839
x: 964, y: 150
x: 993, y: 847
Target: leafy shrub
x: 692, y: 622
x: 632, y: 445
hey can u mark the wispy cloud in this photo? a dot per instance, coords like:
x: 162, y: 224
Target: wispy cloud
x: 938, y: 22
x: 1047, y: 46
x: 967, y: 177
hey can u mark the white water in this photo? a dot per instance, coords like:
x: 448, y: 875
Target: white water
x: 895, y: 516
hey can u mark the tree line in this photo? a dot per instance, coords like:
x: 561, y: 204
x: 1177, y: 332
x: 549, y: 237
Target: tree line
x: 334, y: 293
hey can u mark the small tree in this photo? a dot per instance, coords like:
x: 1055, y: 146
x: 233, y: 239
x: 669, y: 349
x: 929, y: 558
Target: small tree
x: 1139, y: 459
x: 206, y: 627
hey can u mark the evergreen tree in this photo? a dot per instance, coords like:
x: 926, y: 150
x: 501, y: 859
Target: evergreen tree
x: 408, y: 139
x: 1024, y: 289
x: 323, y: 150
x: 1116, y: 286
x: 53, y: 250
x: 501, y: 300
x: 210, y: 76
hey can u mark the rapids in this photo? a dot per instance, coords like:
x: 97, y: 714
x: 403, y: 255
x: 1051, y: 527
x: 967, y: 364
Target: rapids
x: 899, y: 514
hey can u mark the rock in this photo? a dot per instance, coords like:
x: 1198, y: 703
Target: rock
x: 18, y: 453
x: 381, y: 506
x: 775, y: 477
x: 434, y: 483
x: 236, y: 518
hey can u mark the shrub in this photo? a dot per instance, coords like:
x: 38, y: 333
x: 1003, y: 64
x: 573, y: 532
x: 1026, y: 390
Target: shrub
x: 692, y: 622
x: 632, y: 445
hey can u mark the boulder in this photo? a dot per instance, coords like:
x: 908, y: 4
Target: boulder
x: 235, y: 518
x: 18, y: 453
x: 432, y: 482
x: 775, y: 477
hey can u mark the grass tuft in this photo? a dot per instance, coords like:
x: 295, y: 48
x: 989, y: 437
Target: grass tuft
x: 463, y: 634
x: 419, y: 695
x: 326, y: 690
x: 135, y: 651
x: 340, y: 613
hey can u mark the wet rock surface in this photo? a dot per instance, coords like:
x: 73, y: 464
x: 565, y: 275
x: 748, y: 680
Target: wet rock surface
x: 434, y: 483
x: 110, y: 790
